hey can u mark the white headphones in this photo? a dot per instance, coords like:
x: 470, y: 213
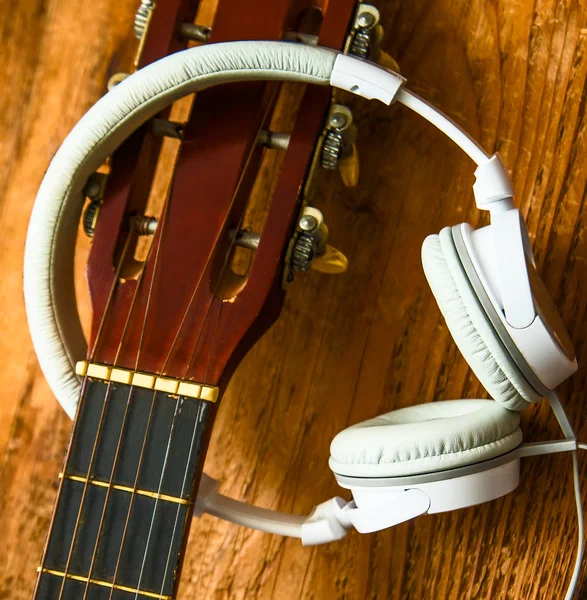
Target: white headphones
x: 426, y: 458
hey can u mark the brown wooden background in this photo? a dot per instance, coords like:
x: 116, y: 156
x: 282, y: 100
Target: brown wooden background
x: 346, y: 348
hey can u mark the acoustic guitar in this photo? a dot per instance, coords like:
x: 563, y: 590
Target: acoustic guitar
x: 185, y: 273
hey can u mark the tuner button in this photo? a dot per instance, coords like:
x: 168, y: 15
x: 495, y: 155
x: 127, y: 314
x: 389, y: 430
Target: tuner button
x: 332, y: 261
x: 349, y: 168
x: 387, y: 61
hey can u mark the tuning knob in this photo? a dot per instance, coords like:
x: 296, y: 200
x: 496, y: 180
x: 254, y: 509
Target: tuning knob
x: 338, y: 147
x: 349, y: 168
x: 310, y: 250
x: 332, y: 261
x: 387, y: 61
x: 366, y: 36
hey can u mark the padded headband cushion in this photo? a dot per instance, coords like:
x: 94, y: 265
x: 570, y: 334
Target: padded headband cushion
x: 470, y: 327
x: 48, y: 273
x: 427, y: 437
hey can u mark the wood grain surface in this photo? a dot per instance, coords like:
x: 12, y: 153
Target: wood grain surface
x: 349, y: 347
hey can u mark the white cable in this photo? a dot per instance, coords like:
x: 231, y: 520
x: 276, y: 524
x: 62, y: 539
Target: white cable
x: 581, y: 533
x: 444, y: 123
x: 567, y: 429
x: 254, y: 517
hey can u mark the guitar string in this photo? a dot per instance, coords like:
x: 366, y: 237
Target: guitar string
x: 154, y: 395
x: 186, y: 472
x: 211, y: 350
x: 202, y: 327
x: 185, y: 475
x: 185, y: 315
x: 133, y: 493
x: 159, y: 487
x: 190, y: 362
x: 124, y: 420
x: 152, y: 406
x: 107, y: 497
x: 100, y: 422
x: 173, y: 425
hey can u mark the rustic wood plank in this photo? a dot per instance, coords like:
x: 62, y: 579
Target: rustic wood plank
x: 349, y: 347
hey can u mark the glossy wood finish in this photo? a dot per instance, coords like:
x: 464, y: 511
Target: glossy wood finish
x: 345, y: 348
x: 170, y: 320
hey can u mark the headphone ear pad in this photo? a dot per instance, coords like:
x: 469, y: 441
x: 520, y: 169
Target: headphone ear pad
x: 425, y: 438
x: 470, y: 327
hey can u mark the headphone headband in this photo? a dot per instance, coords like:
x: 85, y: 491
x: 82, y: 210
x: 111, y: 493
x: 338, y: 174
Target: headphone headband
x: 542, y: 361
x: 48, y: 276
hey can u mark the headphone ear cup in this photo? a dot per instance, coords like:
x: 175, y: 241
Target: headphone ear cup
x: 425, y: 438
x: 470, y: 327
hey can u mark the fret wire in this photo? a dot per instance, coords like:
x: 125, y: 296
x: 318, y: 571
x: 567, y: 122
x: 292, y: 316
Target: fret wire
x: 100, y: 582
x: 126, y: 488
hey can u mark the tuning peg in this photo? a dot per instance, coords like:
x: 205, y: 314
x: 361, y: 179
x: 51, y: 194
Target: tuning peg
x: 366, y: 36
x: 333, y: 261
x: 349, y: 168
x: 338, y: 147
x: 310, y: 250
x: 387, y: 61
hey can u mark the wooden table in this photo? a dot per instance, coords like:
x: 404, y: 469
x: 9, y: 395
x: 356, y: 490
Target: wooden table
x: 348, y: 347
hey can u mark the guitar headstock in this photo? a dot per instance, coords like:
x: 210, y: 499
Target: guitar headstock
x: 174, y: 292
x: 188, y: 267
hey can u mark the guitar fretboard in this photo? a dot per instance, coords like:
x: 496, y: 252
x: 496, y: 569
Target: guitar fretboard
x: 135, y: 496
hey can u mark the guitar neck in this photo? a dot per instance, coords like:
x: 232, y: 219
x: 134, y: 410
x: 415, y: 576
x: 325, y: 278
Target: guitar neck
x: 126, y: 495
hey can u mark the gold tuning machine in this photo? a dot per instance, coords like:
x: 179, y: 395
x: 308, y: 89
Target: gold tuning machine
x: 332, y: 261
x: 349, y: 167
x: 339, y: 150
x: 309, y: 249
x: 387, y: 61
x: 366, y: 36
